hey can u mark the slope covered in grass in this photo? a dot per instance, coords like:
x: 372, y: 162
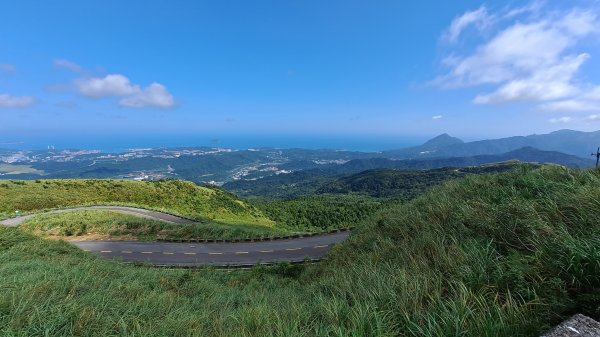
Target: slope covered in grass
x: 405, y: 184
x: 97, y: 224
x: 508, y: 254
x: 491, y: 255
x: 181, y: 197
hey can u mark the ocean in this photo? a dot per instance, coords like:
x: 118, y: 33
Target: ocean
x: 120, y: 143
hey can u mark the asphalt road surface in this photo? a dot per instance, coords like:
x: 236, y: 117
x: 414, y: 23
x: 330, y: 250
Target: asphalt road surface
x: 140, y: 212
x: 199, y: 254
x: 217, y: 254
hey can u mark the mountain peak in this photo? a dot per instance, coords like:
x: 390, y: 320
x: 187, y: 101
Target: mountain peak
x: 442, y: 140
x: 563, y: 131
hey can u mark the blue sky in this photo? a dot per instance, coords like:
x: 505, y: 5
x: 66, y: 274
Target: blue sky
x: 360, y: 69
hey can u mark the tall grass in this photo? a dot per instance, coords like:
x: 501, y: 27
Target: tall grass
x: 500, y: 255
x: 112, y: 224
x: 181, y: 197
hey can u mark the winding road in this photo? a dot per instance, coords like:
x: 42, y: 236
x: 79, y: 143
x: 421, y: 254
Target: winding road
x: 139, y: 212
x: 216, y: 254
x: 239, y: 254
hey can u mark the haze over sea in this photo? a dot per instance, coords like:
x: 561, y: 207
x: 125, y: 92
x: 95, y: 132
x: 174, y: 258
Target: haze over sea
x: 120, y: 143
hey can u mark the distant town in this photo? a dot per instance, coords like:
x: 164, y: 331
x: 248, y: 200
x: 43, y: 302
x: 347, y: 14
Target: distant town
x: 146, y: 163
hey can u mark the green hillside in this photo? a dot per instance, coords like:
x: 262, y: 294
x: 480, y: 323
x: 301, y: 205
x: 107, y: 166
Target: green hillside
x: 391, y: 182
x: 314, y: 213
x: 101, y: 224
x: 506, y: 254
x: 176, y: 196
x: 406, y: 184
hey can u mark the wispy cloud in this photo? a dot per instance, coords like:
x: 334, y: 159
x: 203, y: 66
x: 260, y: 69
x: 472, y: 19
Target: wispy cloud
x: 436, y: 117
x: 593, y: 117
x: 561, y: 120
x: 543, y: 84
x: 68, y: 65
x: 576, y: 105
x: 587, y: 100
x: 66, y: 105
x: 7, y: 68
x: 478, y: 18
x: 530, y: 54
x: 9, y: 101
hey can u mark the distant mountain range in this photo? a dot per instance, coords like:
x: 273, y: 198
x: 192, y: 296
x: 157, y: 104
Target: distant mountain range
x: 576, y: 143
x: 525, y: 154
x: 311, y: 180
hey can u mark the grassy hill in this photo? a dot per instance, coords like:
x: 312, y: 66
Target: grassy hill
x: 406, y: 184
x: 378, y: 177
x: 506, y: 254
x: 175, y: 196
x: 101, y: 224
x: 390, y: 182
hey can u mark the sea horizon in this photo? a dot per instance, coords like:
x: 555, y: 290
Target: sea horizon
x: 120, y: 143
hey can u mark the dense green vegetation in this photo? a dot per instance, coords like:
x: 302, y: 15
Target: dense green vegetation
x: 375, y: 177
x: 181, y: 197
x: 113, y: 224
x: 345, y: 201
x: 506, y: 254
x: 405, y: 184
x: 314, y: 213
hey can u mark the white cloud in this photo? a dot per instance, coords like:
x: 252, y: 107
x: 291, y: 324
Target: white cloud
x: 519, y: 51
x: 436, y: 117
x: 553, y: 82
x: 478, y: 17
x: 132, y: 95
x: 561, y: 120
x: 574, y: 105
x: 592, y: 94
x: 7, y: 68
x: 593, y: 117
x: 530, y: 57
x: 155, y: 95
x: 533, y: 8
x: 110, y: 85
x: 9, y: 101
x: 66, y: 64
x: 587, y: 101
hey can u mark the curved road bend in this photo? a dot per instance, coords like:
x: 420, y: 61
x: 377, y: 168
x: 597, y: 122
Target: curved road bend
x: 197, y: 254
x: 140, y: 212
x: 216, y: 254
